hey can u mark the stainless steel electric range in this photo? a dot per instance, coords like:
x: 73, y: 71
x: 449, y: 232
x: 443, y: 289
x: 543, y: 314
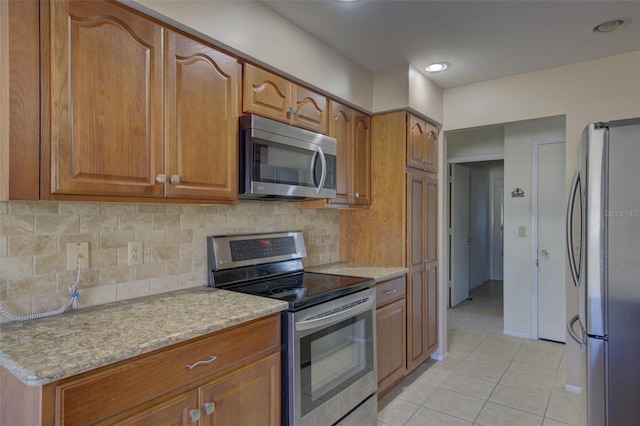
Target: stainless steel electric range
x: 329, y: 352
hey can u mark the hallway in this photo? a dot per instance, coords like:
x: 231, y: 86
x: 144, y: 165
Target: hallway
x: 488, y: 379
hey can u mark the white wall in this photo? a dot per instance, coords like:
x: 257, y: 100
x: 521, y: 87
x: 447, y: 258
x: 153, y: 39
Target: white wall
x: 518, y: 212
x: 597, y: 90
x: 481, y: 142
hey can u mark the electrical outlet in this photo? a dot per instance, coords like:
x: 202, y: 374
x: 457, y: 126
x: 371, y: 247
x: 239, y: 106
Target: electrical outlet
x: 73, y: 251
x: 135, y: 253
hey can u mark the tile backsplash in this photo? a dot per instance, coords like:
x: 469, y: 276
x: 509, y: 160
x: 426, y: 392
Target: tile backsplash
x: 34, y: 237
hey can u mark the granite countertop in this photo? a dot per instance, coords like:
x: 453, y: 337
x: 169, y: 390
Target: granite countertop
x: 378, y: 273
x: 49, y: 349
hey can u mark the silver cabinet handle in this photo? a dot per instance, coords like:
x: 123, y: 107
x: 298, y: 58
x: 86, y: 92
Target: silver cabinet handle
x: 161, y: 178
x: 290, y: 110
x: 211, y: 359
x: 391, y: 291
x: 209, y: 408
x: 194, y: 415
x: 175, y: 179
x: 544, y: 252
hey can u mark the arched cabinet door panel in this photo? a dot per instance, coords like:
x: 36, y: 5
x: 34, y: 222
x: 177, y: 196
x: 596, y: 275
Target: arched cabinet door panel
x: 201, y: 120
x: 105, y: 92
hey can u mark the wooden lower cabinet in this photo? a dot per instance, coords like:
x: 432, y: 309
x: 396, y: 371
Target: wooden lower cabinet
x: 391, y: 333
x: 222, y: 402
x: 230, y: 377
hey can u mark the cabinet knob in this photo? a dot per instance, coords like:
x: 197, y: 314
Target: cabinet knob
x: 194, y: 415
x: 357, y: 194
x: 209, y: 408
x: 175, y: 179
x: 161, y: 178
x: 290, y: 110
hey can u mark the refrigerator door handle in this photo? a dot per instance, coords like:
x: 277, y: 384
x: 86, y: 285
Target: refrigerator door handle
x: 569, y: 229
x: 581, y: 340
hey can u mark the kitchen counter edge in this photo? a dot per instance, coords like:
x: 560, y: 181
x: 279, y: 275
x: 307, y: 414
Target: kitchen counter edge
x: 375, y: 272
x: 42, y: 351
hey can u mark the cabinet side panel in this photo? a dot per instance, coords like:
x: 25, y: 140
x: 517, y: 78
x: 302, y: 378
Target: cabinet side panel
x: 19, y: 403
x: 377, y: 235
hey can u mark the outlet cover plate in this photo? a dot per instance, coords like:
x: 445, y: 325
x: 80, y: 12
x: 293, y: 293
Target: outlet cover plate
x: 73, y: 251
x: 135, y: 253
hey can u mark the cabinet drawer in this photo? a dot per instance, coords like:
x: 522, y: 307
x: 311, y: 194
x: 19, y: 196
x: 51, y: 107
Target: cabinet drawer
x: 94, y: 397
x: 391, y: 290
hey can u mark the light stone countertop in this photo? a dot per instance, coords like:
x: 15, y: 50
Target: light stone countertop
x: 378, y: 273
x: 42, y: 351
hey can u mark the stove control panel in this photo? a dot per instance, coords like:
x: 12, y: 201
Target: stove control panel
x: 261, y: 248
x: 233, y: 251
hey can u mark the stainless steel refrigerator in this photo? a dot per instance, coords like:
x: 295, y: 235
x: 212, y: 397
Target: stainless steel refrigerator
x: 603, y: 244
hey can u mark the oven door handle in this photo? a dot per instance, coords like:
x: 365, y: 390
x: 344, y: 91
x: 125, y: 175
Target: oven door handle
x: 323, y: 320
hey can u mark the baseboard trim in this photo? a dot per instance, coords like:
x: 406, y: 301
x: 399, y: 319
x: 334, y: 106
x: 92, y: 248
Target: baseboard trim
x: 573, y: 389
x: 516, y: 334
x: 439, y: 357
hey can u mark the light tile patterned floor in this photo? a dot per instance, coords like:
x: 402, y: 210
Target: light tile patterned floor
x: 488, y: 379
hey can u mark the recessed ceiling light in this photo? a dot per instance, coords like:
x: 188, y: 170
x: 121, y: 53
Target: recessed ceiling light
x: 437, y: 67
x: 609, y: 26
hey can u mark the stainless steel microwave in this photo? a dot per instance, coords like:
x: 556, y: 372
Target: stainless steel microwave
x: 282, y: 162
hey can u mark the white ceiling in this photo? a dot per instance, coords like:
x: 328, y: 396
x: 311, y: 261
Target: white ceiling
x: 481, y: 39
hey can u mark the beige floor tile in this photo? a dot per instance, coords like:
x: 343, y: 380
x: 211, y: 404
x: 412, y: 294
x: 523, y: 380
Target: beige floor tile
x: 397, y: 412
x: 455, y: 404
x: 561, y: 411
x: 434, y: 376
x: 416, y: 392
x: 534, y: 368
x: 550, y: 422
x: 499, y: 415
x: 481, y: 371
x: 450, y: 363
x: 468, y: 385
x: 527, y: 382
x: 491, y: 357
x: 520, y: 400
x: 427, y: 417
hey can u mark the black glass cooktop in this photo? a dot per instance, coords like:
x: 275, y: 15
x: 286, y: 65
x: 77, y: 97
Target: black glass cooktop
x: 304, y: 289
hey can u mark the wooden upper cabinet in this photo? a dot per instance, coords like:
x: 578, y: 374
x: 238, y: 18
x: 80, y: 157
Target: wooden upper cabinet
x: 340, y: 127
x: 275, y: 97
x: 201, y: 120
x: 132, y: 109
x: 352, y: 130
x: 422, y: 145
x: 105, y: 74
x: 361, y: 160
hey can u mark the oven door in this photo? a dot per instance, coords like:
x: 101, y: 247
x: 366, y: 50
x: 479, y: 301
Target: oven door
x: 332, y: 359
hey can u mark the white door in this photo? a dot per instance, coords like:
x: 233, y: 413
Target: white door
x: 497, y: 265
x: 459, y: 231
x: 551, y: 202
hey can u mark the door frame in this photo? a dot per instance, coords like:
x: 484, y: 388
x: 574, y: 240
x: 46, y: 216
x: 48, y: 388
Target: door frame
x: 535, y: 144
x: 492, y: 240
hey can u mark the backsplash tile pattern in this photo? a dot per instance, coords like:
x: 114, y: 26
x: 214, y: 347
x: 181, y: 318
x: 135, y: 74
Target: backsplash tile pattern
x: 34, y: 237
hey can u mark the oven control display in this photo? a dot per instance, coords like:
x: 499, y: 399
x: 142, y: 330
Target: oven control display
x: 261, y: 248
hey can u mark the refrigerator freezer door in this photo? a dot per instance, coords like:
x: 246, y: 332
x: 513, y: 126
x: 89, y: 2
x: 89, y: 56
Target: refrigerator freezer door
x: 623, y: 274
x: 596, y: 383
x: 593, y: 174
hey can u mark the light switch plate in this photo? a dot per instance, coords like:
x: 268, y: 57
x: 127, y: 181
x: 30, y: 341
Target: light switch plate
x: 522, y: 232
x: 73, y: 251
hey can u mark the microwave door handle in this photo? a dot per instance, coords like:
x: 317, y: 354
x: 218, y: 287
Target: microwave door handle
x: 323, y: 161
x: 569, y: 228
